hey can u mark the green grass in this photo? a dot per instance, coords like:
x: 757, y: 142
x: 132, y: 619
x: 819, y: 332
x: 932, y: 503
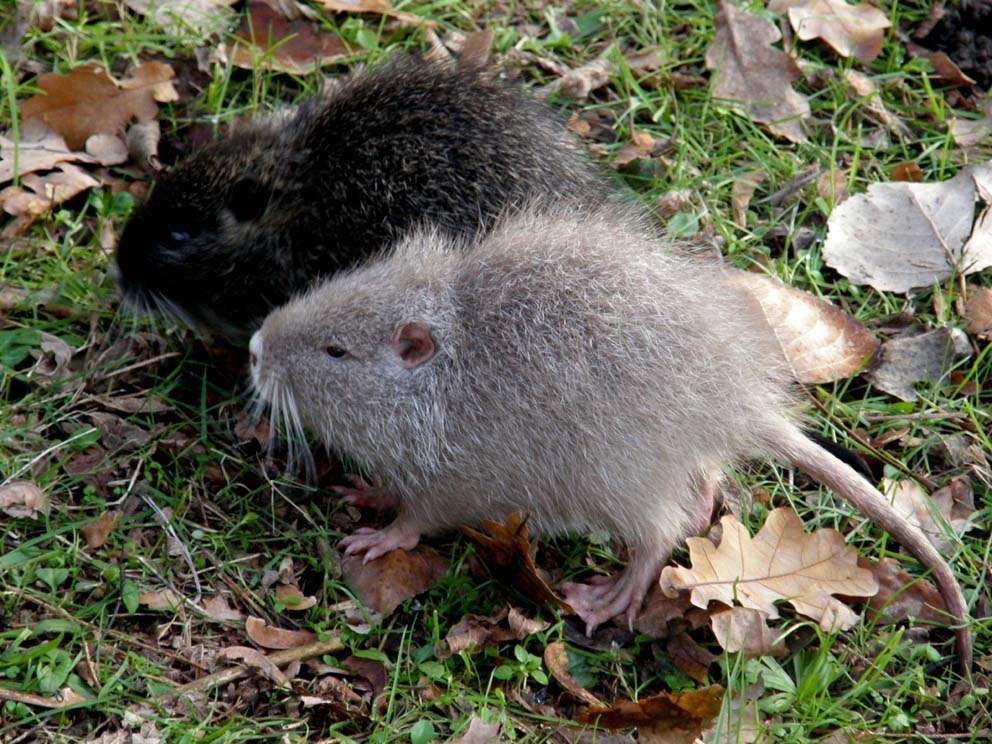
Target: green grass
x: 69, y: 615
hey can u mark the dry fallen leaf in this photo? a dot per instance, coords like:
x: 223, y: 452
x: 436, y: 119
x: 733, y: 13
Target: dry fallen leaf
x: 932, y: 514
x: 690, y: 658
x: 676, y: 716
x: 751, y: 71
x: 908, y: 171
x: 972, y: 132
x: 385, y: 583
x: 176, y: 16
x: 509, y: 556
x: 254, y: 659
x: 907, y: 359
x: 39, y: 149
x: 41, y: 193
x: 901, y: 596
x: 218, y: 608
x: 106, y: 149
x: 743, y: 629
x: 476, y: 47
x: 781, y: 562
x: 268, y: 636
x: 473, y: 633
x: 22, y: 499
x: 852, y: 30
x: 556, y: 660
x: 578, y: 83
x: 820, y: 341
x: 900, y: 236
x: 295, y: 600
x: 480, y: 732
x: 741, y: 193
x: 160, y: 599
x: 86, y: 101
x: 269, y: 41
x: 978, y: 312
x: 96, y: 532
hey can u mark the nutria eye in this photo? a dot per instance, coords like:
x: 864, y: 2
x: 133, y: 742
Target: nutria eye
x: 336, y: 352
x: 178, y: 237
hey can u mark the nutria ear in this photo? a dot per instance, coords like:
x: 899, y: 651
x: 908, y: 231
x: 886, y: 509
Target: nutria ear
x: 248, y: 199
x: 414, y: 344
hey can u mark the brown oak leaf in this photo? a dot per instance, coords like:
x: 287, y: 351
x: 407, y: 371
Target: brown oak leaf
x: 820, y: 341
x: 749, y: 70
x: 851, y: 30
x: 781, y: 562
x: 88, y: 101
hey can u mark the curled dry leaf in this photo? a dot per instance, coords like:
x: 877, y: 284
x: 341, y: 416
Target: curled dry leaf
x: 295, y: 600
x: 385, y: 583
x: 268, y: 636
x: 781, y: 562
x: 908, y: 359
x: 269, y: 41
x: 480, y: 732
x: 972, y: 132
x: 509, y: 557
x: 908, y: 171
x: 476, y: 47
x: 900, y: 236
x: 831, y: 186
x: 41, y: 193
x: 255, y: 660
x: 820, y: 341
x: 38, y: 149
x: 743, y: 629
x: 556, y: 660
x: 474, y: 633
x: 22, y: 499
x: 865, y: 88
x: 96, y: 532
x: 680, y: 716
x: 87, y: 101
x: 142, y: 144
x: 581, y: 81
x: 690, y: 658
x: 741, y: 193
x: 751, y: 71
x: 851, y: 30
x: 978, y: 312
x: 932, y: 514
x: 177, y: 16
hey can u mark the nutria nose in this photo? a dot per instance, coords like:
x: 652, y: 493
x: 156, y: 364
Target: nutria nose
x: 255, y: 348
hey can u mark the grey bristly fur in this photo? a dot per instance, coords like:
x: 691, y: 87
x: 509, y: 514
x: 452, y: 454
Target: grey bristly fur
x: 586, y: 373
x: 256, y: 216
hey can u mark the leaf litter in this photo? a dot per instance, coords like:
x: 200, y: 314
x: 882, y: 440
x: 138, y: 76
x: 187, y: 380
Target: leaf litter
x: 513, y: 624
x: 918, y: 233
x: 749, y: 70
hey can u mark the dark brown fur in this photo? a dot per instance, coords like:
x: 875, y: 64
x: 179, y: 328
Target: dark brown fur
x: 258, y: 215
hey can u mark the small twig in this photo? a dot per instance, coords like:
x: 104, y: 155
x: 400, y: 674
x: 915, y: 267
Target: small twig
x: 138, y: 365
x: 921, y: 416
x: 280, y: 659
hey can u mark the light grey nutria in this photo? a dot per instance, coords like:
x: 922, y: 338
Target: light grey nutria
x: 255, y: 216
x: 571, y: 366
